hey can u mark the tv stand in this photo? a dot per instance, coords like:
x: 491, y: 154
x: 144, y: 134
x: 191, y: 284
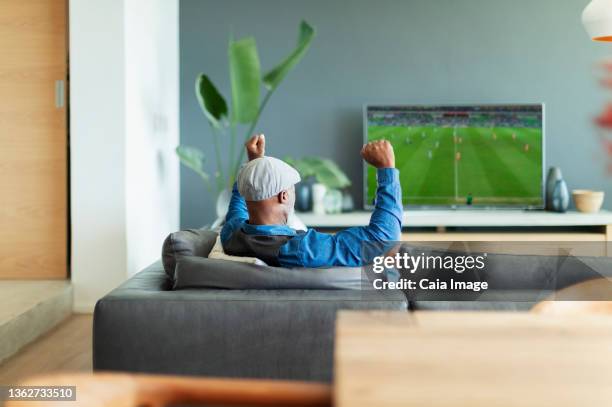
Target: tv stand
x: 487, y: 226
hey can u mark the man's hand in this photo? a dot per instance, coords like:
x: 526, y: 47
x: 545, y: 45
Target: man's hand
x: 379, y: 154
x: 256, y: 146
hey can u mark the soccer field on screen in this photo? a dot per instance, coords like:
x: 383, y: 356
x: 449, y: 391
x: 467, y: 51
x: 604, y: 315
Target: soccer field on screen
x: 464, y: 165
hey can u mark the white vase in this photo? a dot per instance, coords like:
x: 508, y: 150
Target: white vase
x: 333, y: 201
x: 318, y: 198
x: 223, y: 200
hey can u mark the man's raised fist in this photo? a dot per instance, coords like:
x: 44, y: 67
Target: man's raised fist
x: 256, y: 146
x: 379, y: 154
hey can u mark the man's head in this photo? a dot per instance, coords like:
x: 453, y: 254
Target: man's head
x: 267, y: 185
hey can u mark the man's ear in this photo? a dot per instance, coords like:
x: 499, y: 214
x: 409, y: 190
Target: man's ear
x: 283, y: 196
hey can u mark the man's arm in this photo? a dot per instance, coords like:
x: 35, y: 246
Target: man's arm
x: 315, y: 249
x: 237, y: 212
x: 386, y: 220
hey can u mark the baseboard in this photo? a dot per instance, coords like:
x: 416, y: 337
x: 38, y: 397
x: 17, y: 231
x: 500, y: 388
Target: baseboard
x: 83, y: 307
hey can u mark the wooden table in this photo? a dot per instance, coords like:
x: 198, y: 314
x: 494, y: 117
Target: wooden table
x: 472, y: 359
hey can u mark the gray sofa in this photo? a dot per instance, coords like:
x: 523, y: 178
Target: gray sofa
x: 146, y: 326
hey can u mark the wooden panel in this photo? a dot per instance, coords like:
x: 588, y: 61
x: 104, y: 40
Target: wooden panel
x: 503, y: 237
x: 472, y: 359
x: 33, y: 140
x: 549, y: 244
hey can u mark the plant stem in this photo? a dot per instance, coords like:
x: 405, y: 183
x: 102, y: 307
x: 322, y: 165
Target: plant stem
x: 231, y: 175
x: 207, y: 183
x: 218, y: 156
x: 251, y: 128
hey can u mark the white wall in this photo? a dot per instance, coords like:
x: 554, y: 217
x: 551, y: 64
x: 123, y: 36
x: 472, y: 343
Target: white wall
x: 123, y: 126
x: 97, y: 148
x: 152, y: 126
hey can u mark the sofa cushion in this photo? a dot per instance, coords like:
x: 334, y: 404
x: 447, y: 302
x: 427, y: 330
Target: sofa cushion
x: 517, y: 272
x: 218, y: 253
x: 190, y: 242
x: 198, y: 272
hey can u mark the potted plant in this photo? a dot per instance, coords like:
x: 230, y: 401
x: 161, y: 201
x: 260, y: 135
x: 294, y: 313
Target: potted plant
x: 322, y: 186
x: 246, y: 107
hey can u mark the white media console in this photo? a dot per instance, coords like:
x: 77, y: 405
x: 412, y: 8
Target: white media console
x: 473, y: 225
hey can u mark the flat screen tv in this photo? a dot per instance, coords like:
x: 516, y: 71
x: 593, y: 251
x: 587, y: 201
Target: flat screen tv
x: 462, y: 156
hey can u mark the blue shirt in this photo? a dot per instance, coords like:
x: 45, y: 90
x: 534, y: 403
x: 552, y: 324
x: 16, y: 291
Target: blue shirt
x: 316, y: 249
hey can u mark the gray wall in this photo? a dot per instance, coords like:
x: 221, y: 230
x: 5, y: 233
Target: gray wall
x: 413, y: 51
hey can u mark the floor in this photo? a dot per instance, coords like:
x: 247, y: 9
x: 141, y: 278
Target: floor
x: 66, y: 348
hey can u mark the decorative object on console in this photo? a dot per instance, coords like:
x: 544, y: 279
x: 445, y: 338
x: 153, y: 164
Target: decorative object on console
x: 332, y: 201
x: 246, y: 80
x: 303, y: 195
x: 554, y: 175
x: 560, y: 197
x: 348, y: 204
x: 597, y: 20
x: 318, y: 196
x: 223, y: 199
x: 588, y: 201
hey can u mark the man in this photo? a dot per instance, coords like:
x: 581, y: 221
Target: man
x: 258, y: 227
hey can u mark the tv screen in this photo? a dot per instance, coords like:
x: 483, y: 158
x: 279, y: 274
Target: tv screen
x: 461, y: 156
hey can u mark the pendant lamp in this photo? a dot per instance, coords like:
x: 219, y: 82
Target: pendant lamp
x: 597, y: 20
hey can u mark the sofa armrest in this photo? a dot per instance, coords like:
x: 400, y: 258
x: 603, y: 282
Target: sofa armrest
x: 151, y: 279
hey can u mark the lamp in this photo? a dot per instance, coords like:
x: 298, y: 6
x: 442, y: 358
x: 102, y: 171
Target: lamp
x: 597, y: 20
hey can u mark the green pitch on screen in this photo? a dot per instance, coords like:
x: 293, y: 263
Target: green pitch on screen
x: 464, y: 165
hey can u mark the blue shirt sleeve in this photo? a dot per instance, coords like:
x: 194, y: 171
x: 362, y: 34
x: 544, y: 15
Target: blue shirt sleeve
x: 237, y: 214
x: 315, y: 249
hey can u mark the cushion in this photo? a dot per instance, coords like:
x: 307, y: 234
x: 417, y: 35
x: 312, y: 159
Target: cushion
x: 218, y: 253
x: 191, y: 242
x: 198, y: 272
x: 510, y: 277
x: 522, y: 271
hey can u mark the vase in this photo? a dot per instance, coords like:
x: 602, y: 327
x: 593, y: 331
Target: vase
x: 318, y: 197
x: 560, y: 197
x: 332, y: 201
x: 222, y: 205
x: 554, y: 175
x: 348, y: 205
x: 303, y: 196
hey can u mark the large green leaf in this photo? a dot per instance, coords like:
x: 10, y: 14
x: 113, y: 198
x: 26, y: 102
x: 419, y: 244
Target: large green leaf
x: 303, y: 168
x: 193, y: 158
x: 329, y: 174
x: 325, y: 171
x: 245, y: 77
x: 274, y: 77
x: 212, y: 103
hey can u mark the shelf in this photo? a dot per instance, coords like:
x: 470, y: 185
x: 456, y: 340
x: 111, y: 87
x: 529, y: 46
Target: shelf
x: 466, y: 218
x: 503, y: 237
